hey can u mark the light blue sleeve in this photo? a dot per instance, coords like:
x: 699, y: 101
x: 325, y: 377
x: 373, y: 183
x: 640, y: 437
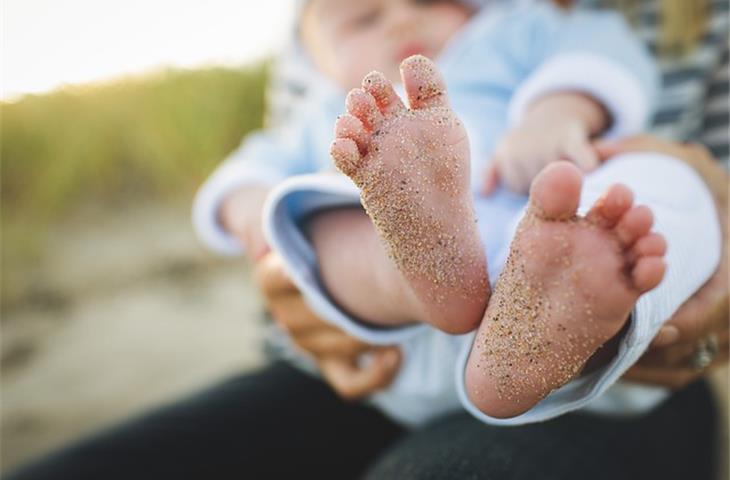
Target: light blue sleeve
x: 264, y: 158
x: 269, y: 156
x: 593, y: 51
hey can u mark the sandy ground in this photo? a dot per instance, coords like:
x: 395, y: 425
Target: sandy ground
x: 124, y: 315
x: 129, y: 313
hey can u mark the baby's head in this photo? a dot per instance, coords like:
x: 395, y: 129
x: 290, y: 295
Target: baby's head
x: 346, y: 39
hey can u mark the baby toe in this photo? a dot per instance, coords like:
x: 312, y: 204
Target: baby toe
x: 424, y: 85
x: 362, y: 105
x: 555, y: 192
x: 634, y: 224
x: 382, y: 91
x: 648, y: 273
x: 346, y: 156
x: 652, y: 244
x: 348, y: 126
x: 609, y: 209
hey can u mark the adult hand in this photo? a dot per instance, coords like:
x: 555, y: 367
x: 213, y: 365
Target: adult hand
x: 338, y: 355
x: 703, y: 319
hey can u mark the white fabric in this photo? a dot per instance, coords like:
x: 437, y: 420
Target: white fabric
x: 682, y: 207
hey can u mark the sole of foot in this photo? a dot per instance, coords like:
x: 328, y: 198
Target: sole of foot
x: 412, y: 167
x: 567, y: 287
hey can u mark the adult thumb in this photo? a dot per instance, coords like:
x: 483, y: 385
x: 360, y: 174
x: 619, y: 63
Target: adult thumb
x: 353, y: 381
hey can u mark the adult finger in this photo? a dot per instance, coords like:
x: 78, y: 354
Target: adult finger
x: 669, y: 378
x: 680, y: 354
x: 705, y: 312
x: 672, y: 377
x: 291, y: 313
x: 675, y: 356
x: 696, y: 319
x: 329, y: 341
x: 352, y: 381
x: 271, y: 277
x: 666, y: 336
x: 638, y: 143
x: 694, y: 154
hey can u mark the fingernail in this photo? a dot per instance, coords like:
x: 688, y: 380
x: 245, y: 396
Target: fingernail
x: 666, y: 336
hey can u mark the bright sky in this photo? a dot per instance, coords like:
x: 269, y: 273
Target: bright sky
x: 48, y: 43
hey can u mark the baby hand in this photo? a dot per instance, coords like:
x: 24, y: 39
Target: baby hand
x: 558, y: 126
x: 526, y: 150
x: 240, y: 215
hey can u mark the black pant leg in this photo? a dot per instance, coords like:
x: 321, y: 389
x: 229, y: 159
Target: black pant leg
x: 275, y: 423
x: 675, y: 441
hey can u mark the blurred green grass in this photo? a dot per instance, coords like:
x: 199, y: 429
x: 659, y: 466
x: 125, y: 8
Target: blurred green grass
x: 145, y: 139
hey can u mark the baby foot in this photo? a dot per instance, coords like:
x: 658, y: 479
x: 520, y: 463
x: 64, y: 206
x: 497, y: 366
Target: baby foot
x: 568, y: 286
x: 412, y: 168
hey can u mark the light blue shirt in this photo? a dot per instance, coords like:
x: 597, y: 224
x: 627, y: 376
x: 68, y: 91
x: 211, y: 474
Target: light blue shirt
x: 504, y: 58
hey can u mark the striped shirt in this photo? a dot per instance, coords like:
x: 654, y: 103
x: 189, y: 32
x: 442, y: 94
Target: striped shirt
x: 693, y: 102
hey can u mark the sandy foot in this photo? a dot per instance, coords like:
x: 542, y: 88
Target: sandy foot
x: 567, y: 287
x: 412, y: 166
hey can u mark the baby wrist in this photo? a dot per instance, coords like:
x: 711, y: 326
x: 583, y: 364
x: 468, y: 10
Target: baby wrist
x: 240, y: 211
x: 569, y: 107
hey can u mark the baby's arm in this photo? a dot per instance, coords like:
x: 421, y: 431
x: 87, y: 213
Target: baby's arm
x: 228, y: 206
x: 558, y: 126
x: 587, y: 75
x: 240, y: 215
